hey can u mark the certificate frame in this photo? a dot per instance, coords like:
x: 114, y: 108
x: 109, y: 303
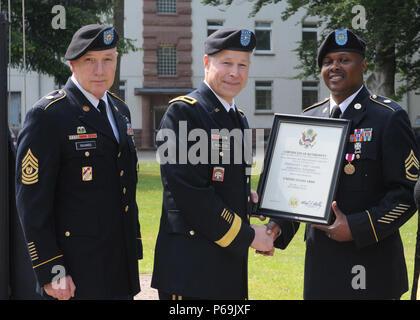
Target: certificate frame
x: 294, y: 207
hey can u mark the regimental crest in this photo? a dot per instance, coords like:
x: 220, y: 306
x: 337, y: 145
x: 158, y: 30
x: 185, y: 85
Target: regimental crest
x: 308, y: 138
x: 245, y: 37
x: 30, y: 168
x: 341, y: 37
x: 109, y: 36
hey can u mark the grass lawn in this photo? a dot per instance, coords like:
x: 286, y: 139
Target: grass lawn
x: 270, y: 278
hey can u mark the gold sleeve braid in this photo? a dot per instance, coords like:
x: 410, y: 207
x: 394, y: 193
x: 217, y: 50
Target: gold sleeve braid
x: 235, y: 225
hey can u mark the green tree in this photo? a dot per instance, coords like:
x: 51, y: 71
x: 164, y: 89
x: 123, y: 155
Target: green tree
x: 46, y: 44
x: 391, y: 33
x: 119, y: 26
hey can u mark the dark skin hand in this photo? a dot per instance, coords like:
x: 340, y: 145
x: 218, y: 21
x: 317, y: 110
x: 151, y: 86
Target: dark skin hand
x: 339, y: 230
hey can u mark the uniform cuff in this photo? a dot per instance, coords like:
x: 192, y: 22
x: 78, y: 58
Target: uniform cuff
x: 362, y: 229
x: 238, y: 238
x: 53, y: 268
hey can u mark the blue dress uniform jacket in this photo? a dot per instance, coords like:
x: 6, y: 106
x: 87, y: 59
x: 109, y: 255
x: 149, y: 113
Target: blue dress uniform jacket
x: 75, y: 189
x: 204, y: 235
x: 377, y: 200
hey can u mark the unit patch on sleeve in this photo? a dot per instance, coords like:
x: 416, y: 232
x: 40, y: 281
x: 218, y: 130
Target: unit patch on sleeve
x: 29, y: 169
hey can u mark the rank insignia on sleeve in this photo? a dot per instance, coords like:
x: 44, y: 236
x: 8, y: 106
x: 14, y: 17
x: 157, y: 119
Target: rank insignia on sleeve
x: 87, y: 174
x: 412, y: 167
x: 29, y: 168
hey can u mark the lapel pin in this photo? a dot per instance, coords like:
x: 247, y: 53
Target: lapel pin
x: 357, y: 106
x: 86, y: 108
x: 325, y: 110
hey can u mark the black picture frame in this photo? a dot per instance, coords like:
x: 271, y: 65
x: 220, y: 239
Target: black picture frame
x: 304, y: 121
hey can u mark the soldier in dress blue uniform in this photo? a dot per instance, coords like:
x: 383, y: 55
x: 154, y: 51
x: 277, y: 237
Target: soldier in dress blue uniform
x: 361, y: 256
x: 76, y: 180
x: 205, y: 233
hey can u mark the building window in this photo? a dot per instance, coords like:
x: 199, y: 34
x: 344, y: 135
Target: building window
x: 263, y: 35
x: 309, y: 93
x: 166, y: 60
x: 166, y: 6
x: 263, y: 93
x: 214, y: 25
x: 309, y: 32
x: 14, y: 109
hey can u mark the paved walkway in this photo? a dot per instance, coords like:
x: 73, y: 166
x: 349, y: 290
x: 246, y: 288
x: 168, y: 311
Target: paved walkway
x: 147, y: 293
x: 146, y: 155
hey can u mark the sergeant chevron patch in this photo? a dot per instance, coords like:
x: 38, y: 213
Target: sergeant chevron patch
x: 412, y: 163
x: 29, y: 169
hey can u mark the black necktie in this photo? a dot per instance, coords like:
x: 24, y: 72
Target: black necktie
x: 336, y: 112
x: 234, y: 117
x: 102, y: 109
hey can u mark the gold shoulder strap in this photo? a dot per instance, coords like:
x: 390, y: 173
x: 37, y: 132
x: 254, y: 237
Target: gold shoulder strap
x: 185, y: 99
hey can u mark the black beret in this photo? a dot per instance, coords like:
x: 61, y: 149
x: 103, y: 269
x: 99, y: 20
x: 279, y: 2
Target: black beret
x: 341, y: 40
x: 229, y: 39
x: 93, y: 37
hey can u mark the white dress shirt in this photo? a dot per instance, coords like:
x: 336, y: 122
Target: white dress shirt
x: 222, y: 101
x: 95, y: 102
x: 343, y: 105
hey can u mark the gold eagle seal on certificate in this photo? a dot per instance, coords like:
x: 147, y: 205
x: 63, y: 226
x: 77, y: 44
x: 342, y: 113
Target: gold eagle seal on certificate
x: 308, y: 138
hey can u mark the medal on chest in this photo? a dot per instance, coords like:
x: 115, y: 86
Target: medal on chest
x: 349, y: 168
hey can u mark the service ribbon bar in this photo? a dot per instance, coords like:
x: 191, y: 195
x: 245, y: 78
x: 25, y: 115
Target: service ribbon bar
x: 83, y: 136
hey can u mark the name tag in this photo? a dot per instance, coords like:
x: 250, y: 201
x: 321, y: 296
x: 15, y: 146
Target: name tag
x: 85, y: 145
x: 220, y: 145
x: 219, y: 142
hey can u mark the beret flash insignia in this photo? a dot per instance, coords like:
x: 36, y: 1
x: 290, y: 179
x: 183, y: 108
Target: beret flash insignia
x: 245, y: 37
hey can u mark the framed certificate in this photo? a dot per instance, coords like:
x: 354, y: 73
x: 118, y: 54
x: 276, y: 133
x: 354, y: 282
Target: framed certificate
x: 301, y: 168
